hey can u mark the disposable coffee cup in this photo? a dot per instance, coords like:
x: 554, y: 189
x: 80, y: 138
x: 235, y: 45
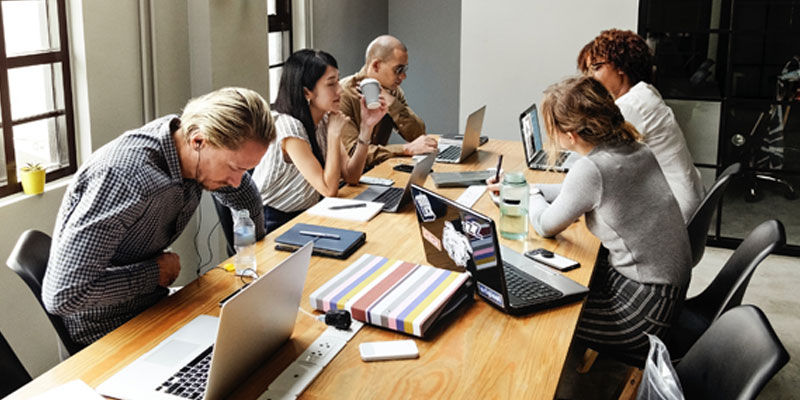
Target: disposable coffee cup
x: 371, y: 89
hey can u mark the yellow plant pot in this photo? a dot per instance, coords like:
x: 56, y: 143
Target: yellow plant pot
x: 33, y: 182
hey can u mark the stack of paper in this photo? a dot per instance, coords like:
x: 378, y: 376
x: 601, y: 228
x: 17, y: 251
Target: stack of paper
x: 393, y: 294
x: 359, y: 213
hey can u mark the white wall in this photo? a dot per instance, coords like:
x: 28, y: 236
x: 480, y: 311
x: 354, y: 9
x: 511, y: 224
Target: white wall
x: 512, y: 50
x: 432, y: 32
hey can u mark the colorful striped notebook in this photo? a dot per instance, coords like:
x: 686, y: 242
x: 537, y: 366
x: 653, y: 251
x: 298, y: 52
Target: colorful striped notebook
x: 394, y: 294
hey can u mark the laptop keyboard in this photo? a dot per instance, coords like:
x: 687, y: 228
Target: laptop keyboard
x: 450, y: 153
x: 528, y: 288
x: 390, y: 197
x: 190, y: 381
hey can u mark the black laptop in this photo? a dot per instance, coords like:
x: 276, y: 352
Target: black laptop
x: 458, y: 238
x: 535, y: 155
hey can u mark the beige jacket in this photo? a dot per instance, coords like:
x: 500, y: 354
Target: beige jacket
x: 399, y: 115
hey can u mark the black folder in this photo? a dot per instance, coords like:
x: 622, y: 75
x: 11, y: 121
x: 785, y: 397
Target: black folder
x: 328, y: 242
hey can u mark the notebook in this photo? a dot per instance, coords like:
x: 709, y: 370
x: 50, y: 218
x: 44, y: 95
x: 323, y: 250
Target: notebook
x: 455, y: 151
x: 394, y: 294
x: 332, y: 207
x: 535, y: 155
x: 223, y: 351
x: 459, y: 238
x: 328, y: 242
x: 394, y: 198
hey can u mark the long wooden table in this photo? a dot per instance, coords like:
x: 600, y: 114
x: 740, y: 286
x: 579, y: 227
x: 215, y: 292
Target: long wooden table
x: 482, y: 353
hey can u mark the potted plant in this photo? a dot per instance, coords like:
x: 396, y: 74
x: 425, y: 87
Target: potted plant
x: 32, y: 178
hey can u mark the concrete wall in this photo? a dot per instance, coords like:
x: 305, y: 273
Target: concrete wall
x: 344, y: 28
x: 432, y: 32
x: 512, y: 50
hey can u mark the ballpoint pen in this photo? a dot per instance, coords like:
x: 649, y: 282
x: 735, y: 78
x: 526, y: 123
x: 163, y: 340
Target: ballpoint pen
x: 346, y: 206
x: 320, y: 234
x: 497, y: 171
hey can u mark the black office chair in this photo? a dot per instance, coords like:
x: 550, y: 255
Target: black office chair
x: 701, y: 219
x: 734, y: 358
x: 727, y: 288
x: 11, y: 370
x: 29, y: 260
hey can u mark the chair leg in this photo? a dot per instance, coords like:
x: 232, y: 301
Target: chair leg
x: 633, y: 377
x: 589, y: 356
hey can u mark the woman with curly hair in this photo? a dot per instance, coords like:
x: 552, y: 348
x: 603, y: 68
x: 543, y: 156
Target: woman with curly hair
x: 623, y: 63
x: 642, y: 273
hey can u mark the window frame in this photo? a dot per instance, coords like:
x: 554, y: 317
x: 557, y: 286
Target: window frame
x: 281, y: 21
x: 46, y: 57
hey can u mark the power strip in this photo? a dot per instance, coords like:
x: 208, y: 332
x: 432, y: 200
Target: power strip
x: 297, y: 376
x: 471, y: 195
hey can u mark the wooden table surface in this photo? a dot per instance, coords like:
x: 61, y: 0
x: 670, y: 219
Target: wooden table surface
x: 481, y: 353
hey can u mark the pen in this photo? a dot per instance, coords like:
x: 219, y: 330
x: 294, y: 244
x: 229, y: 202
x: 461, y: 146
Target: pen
x: 346, y: 206
x: 497, y: 171
x: 320, y: 234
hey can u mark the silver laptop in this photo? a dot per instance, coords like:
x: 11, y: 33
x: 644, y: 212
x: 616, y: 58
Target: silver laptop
x: 458, y: 238
x: 394, y: 198
x: 251, y: 326
x: 535, y: 155
x: 456, y: 151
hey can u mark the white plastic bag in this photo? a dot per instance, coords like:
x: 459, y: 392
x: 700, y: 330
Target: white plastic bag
x: 659, y: 380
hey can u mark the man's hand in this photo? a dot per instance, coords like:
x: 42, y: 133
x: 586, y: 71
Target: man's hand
x: 388, y: 96
x: 169, y: 266
x: 422, y: 145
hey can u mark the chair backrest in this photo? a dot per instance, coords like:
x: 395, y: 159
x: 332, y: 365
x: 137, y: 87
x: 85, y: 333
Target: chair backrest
x: 701, y: 219
x: 734, y: 358
x: 29, y: 260
x: 728, y: 287
x: 11, y: 370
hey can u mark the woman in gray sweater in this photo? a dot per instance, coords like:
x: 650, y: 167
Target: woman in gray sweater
x: 618, y: 185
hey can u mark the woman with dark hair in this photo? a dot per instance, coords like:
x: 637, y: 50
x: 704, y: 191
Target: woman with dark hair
x: 308, y: 158
x: 640, y: 281
x: 623, y: 63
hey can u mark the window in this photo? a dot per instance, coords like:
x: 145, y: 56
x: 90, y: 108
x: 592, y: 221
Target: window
x: 35, y: 93
x: 280, y: 41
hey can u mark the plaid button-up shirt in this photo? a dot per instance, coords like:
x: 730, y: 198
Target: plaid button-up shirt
x: 127, y: 203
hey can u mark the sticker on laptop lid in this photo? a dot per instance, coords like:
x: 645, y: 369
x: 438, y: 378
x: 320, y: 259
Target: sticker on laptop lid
x: 431, y: 238
x: 490, y: 294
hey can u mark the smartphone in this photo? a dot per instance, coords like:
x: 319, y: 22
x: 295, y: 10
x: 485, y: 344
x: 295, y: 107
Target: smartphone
x: 403, y: 168
x: 552, y: 259
x: 388, y: 350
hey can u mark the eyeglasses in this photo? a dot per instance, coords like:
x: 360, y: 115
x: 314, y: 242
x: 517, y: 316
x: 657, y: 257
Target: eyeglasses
x: 401, y: 69
x: 594, y: 67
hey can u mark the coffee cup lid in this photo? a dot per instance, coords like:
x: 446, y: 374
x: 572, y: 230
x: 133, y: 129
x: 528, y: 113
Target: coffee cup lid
x: 366, y: 81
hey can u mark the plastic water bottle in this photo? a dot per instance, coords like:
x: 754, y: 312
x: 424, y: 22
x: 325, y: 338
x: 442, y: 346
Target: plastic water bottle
x: 244, y: 238
x: 514, y: 206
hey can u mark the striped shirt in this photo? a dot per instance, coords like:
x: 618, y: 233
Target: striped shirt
x: 281, y: 184
x: 126, y: 204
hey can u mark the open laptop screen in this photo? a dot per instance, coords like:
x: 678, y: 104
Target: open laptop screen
x: 458, y: 238
x: 531, y: 134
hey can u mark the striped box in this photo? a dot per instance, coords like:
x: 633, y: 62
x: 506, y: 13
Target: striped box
x: 394, y: 294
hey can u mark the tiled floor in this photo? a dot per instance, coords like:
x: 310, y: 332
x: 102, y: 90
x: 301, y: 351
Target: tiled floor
x: 773, y: 288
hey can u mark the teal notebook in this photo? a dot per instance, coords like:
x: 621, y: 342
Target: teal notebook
x: 328, y: 242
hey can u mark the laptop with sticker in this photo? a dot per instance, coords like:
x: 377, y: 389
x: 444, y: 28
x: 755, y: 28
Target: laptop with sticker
x: 458, y: 238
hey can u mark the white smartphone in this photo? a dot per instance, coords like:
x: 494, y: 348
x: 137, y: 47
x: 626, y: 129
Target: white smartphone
x: 389, y: 350
x: 552, y: 259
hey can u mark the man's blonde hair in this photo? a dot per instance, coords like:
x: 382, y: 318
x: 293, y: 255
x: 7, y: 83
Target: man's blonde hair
x: 228, y: 117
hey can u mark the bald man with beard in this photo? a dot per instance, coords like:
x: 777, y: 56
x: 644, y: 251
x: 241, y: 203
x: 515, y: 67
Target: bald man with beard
x: 386, y: 61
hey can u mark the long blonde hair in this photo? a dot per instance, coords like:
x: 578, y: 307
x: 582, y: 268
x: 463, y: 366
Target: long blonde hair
x: 228, y: 117
x: 582, y: 105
